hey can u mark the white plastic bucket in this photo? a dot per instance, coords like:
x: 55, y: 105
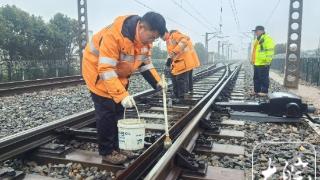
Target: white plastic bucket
x: 131, y: 133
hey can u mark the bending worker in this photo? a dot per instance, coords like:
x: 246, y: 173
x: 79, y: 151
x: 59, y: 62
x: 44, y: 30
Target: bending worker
x: 113, y: 54
x: 182, y: 59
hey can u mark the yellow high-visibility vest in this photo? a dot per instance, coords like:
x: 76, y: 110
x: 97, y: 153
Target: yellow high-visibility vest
x: 263, y: 50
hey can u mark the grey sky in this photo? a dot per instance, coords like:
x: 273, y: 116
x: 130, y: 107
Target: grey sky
x: 250, y: 13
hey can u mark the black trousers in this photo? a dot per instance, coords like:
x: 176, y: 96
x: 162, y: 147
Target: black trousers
x: 190, y: 81
x: 261, y: 79
x: 180, y: 84
x: 107, y: 115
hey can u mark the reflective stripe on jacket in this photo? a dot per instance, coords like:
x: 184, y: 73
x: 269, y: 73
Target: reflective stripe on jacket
x: 186, y: 57
x: 112, y: 55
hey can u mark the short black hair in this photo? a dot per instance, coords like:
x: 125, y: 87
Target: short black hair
x: 172, y: 31
x: 155, y: 21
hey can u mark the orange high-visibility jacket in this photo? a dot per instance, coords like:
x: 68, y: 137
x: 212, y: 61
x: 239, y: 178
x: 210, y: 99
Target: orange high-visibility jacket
x: 186, y: 57
x: 112, y: 55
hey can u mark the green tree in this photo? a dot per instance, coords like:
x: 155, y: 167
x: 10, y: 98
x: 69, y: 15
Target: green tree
x: 19, y: 36
x: 201, y: 52
x: 63, y: 38
x: 27, y: 42
x: 158, y: 53
x: 23, y: 35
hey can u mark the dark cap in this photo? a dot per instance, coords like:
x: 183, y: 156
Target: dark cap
x: 261, y: 28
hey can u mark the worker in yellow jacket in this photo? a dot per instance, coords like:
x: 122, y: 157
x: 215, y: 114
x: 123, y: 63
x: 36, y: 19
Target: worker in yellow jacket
x: 182, y: 60
x: 262, y: 55
x: 109, y: 59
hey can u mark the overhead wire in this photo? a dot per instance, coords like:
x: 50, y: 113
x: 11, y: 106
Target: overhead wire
x: 191, y: 15
x: 168, y: 18
x: 220, y: 21
x: 237, y: 15
x: 272, y: 12
x: 233, y: 9
x: 203, y: 17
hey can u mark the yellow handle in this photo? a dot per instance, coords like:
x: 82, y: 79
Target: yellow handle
x: 164, y: 99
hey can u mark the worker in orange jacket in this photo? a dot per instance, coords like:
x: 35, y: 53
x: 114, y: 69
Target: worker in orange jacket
x: 113, y: 54
x: 182, y: 60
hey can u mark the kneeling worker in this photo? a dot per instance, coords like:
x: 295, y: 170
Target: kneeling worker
x: 182, y: 59
x: 109, y: 59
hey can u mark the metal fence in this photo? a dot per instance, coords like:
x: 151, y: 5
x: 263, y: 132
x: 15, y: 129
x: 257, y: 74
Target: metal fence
x: 20, y: 70
x: 38, y: 69
x: 309, y: 68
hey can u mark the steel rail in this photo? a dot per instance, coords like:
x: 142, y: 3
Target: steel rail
x: 170, y: 153
x: 149, y: 157
x: 33, y: 85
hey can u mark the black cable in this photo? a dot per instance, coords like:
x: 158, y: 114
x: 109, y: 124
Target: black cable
x: 272, y: 12
x: 237, y: 16
x: 234, y: 15
x: 170, y: 19
x: 190, y: 14
x: 203, y: 17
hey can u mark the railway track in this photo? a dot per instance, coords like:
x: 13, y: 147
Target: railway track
x: 18, y: 87
x: 165, y: 167
x: 210, y: 141
x: 38, y: 141
x: 224, y: 143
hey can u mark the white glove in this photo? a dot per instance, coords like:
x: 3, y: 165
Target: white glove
x: 162, y: 84
x: 128, y: 102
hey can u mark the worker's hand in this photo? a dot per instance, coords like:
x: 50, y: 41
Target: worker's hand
x: 169, y: 62
x: 162, y: 84
x: 128, y: 102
